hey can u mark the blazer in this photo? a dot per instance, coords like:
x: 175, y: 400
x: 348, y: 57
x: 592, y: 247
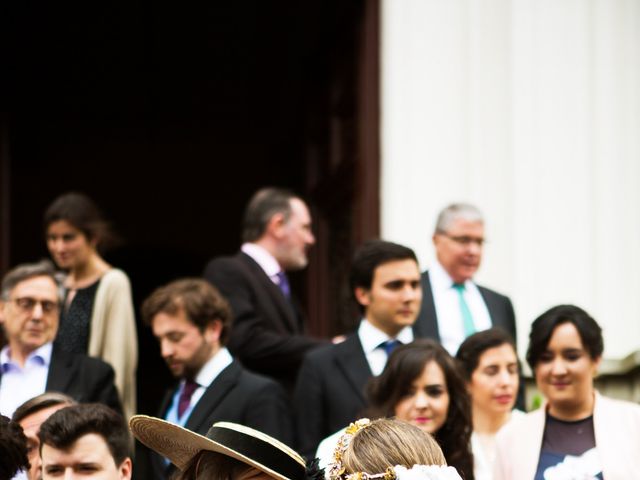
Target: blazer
x: 239, y: 396
x: 85, y: 379
x: 499, y: 306
x: 330, y: 391
x: 617, y: 431
x: 267, y: 334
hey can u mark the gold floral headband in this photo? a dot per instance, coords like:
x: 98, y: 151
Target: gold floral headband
x: 336, y: 469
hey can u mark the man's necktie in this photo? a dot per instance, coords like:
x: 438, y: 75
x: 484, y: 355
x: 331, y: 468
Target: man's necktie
x: 389, y: 346
x: 467, y: 318
x: 283, y: 283
x: 185, y: 396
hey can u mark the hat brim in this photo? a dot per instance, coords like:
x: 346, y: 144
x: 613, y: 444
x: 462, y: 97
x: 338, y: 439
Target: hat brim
x: 180, y: 445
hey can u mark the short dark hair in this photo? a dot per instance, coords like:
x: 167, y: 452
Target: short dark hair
x: 542, y: 329
x: 13, y: 445
x: 370, y: 255
x: 67, y: 425
x: 40, y: 402
x: 263, y: 205
x: 405, y: 364
x: 81, y: 212
x: 475, y: 345
x: 202, y: 304
x: 26, y: 271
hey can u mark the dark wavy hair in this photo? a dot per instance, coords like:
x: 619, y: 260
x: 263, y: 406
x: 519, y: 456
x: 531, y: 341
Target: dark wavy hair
x: 475, y: 345
x: 13, y: 449
x: 543, y: 327
x: 407, y: 363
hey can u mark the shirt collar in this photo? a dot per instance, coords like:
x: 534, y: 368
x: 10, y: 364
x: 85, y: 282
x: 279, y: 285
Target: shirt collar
x: 371, y: 337
x: 262, y: 257
x: 210, y: 370
x: 41, y: 355
x: 440, y: 279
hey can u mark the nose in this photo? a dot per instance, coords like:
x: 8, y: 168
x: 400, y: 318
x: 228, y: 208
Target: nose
x: 166, y: 348
x: 506, y: 377
x: 558, y: 367
x: 56, y: 245
x: 36, y: 313
x: 421, y: 400
x: 311, y: 239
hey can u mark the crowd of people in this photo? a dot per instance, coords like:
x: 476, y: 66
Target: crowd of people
x: 432, y: 363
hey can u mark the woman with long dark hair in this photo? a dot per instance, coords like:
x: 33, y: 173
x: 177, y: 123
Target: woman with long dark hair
x: 97, y: 317
x: 421, y: 384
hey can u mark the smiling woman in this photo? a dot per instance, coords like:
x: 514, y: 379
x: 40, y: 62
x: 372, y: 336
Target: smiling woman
x: 578, y: 433
x: 421, y: 384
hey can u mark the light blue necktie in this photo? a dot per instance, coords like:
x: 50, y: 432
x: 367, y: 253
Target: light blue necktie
x: 467, y: 318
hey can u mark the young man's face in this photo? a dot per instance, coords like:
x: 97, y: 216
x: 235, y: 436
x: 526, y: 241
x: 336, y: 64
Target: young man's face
x: 393, y: 301
x: 88, y: 457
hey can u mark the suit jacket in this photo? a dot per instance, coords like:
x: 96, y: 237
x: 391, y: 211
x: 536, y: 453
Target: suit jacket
x: 267, y: 335
x: 616, y: 427
x: 85, y: 379
x: 330, y: 391
x: 499, y: 306
x: 239, y: 396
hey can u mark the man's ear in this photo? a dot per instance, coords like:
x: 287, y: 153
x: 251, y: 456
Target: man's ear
x: 3, y: 304
x: 125, y: 469
x: 362, y: 296
x: 213, y: 331
x: 275, y: 225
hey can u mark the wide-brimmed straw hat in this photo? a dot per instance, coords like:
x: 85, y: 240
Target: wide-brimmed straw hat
x: 245, y: 444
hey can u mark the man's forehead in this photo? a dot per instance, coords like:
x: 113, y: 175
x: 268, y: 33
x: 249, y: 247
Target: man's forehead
x: 41, y: 285
x: 35, y: 419
x: 399, y: 269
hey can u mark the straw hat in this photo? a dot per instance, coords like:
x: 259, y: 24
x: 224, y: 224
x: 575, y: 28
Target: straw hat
x: 245, y: 444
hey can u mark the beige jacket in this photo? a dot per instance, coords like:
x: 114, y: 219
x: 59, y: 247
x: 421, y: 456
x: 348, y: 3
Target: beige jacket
x: 113, y: 335
x: 617, y: 431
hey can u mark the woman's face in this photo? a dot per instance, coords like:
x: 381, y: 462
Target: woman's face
x: 68, y: 246
x: 426, y: 402
x: 564, y: 373
x: 494, y: 382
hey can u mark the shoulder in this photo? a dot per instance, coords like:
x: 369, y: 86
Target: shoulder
x: 114, y: 278
x: 521, y: 423
x: 492, y: 293
x: 621, y: 408
x: 327, y: 353
x: 228, y: 265
x: 256, y: 382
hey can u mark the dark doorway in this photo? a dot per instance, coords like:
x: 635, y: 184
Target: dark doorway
x: 170, y: 115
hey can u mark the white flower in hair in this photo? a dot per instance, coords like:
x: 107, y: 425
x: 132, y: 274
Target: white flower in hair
x: 426, y: 472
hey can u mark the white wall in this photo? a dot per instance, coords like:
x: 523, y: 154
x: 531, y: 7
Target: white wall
x: 529, y: 109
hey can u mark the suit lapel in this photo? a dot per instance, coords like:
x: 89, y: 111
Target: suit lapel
x: 270, y: 293
x: 427, y: 322
x: 212, y: 397
x: 350, y: 358
x: 59, y: 376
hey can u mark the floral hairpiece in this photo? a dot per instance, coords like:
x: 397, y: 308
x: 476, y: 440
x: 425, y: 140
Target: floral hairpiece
x: 336, y: 469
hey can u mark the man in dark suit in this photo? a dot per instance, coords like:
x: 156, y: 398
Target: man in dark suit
x: 453, y: 306
x: 191, y: 321
x: 29, y: 365
x: 268, y: 333
x: 330, y: 392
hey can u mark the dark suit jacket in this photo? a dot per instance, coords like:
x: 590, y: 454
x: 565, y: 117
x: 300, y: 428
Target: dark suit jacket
x: 83, y: 378
x: 267, y: 335
x: 499, y: 306
x: 330, y: 391
x: 239, y: 396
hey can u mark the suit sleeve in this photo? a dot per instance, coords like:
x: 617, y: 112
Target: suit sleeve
x: 101, y: 384
x: 309, y: 408
x: 269, y: 412
x: 259, y: 347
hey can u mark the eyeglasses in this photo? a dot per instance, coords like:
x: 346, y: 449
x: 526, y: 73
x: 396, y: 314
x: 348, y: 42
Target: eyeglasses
x: 464, y: 240
x: 27, y: 304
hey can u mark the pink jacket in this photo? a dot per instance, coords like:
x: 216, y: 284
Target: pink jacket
x: 617, y: 430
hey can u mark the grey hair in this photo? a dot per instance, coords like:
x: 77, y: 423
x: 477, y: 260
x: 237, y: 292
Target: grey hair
x: 456, y: 211
x: 40, y: 402
x: 264, y: 204
x: 25, y: 271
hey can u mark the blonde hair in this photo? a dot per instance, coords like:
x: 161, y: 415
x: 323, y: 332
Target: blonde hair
x: 389, y: 442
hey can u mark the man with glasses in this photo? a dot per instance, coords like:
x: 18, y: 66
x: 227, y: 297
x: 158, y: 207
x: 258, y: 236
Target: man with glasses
x: 453, y: 306
x: 29, y: 365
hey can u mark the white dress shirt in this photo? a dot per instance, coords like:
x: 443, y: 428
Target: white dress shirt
x: 19, y: 384
x: 447, y: 303
x: 371, y: 338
